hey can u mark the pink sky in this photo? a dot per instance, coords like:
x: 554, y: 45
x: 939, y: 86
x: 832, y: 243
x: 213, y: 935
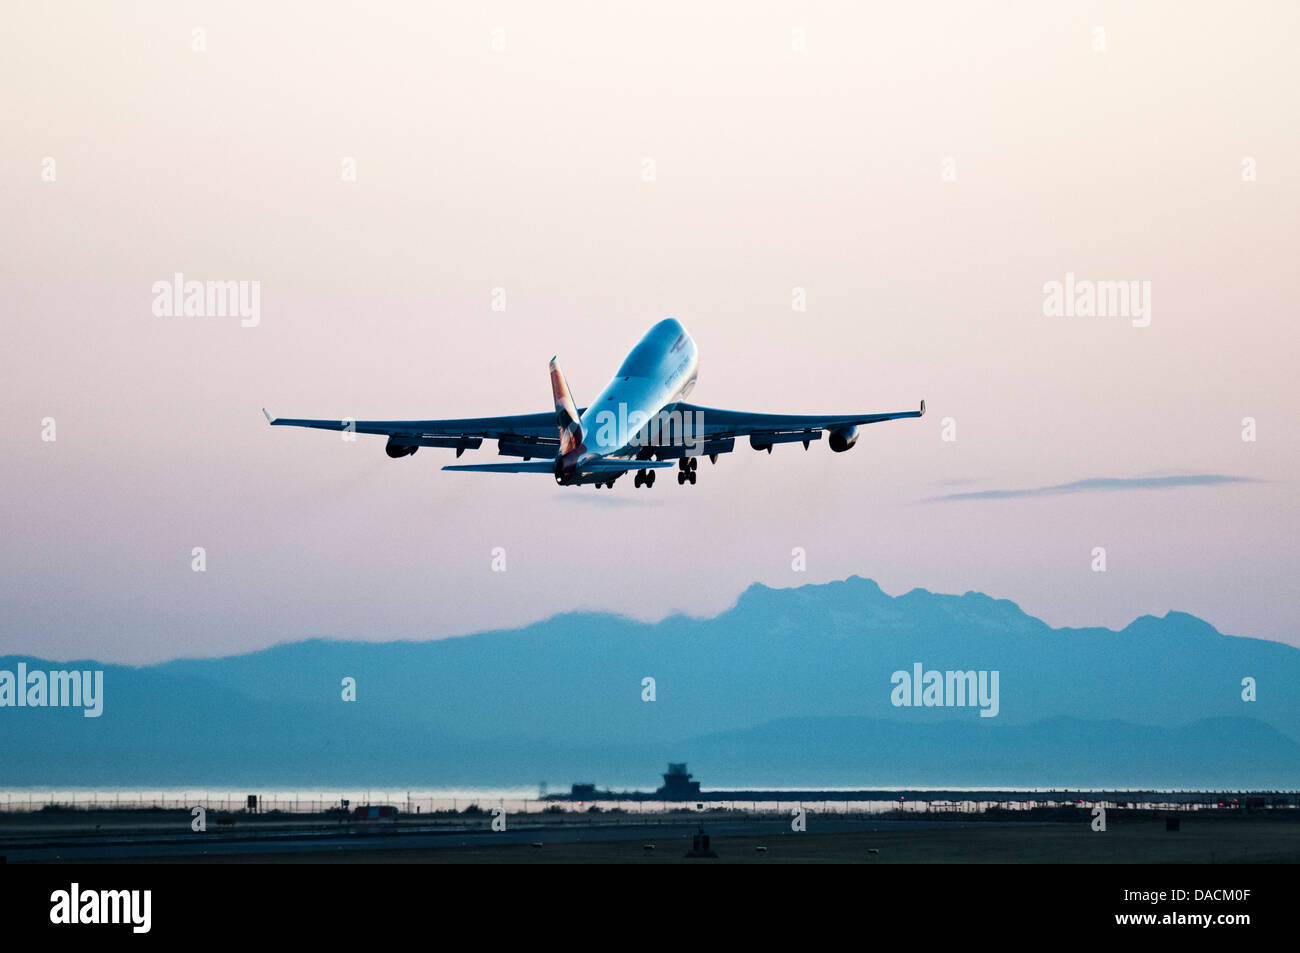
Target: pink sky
x: 522, y: 169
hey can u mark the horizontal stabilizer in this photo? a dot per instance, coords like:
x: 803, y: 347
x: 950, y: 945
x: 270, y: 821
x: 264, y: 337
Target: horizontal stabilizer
x: 521, y: 466
x: 548, y: 466
x: 623, y: 466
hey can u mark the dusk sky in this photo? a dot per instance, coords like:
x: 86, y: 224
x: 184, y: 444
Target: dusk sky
x: 922, y: 173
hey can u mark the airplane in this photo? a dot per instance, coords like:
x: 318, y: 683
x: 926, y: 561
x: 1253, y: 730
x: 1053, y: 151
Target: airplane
x: 641, y: 422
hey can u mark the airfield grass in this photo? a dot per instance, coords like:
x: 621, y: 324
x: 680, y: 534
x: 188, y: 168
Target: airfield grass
x: 1136, y: 842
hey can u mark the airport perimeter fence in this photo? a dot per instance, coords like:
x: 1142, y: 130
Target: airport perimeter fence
x: 409, y: 805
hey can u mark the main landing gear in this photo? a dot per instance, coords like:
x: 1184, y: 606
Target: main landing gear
x: 686, y: 468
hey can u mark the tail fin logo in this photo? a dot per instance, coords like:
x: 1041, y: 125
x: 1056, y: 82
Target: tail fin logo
x: 566, y: 414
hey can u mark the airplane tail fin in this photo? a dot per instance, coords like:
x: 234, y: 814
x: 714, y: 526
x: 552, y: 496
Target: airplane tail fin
x: 566, y: 414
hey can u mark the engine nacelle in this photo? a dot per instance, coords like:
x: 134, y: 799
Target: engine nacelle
x: 395, y: 449
x: 843, y: 438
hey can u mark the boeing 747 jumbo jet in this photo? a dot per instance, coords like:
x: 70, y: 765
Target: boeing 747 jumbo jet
x: 640, y: 422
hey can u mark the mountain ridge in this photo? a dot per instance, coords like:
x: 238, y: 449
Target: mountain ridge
x: 540, y: 694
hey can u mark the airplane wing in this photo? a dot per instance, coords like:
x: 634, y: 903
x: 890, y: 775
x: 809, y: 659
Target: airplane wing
x: 523, y: 435
x: 722, y: 427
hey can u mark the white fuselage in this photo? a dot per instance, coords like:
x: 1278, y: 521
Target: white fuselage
x: 659, y: 372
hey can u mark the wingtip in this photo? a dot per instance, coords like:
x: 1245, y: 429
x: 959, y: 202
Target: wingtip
x: 922, y: 408
x: 269, y: 418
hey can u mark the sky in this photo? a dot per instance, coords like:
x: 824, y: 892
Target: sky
x: 917, y: 174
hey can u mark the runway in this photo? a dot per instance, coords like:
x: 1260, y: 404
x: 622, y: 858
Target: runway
x: 155, y: 842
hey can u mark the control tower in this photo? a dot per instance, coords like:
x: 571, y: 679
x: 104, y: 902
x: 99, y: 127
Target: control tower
x: 678, y: 785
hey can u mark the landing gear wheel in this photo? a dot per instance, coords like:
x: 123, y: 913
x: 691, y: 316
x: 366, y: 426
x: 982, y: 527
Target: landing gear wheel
x: 639, y: 478
x: 650, y: 478
x: 694, y: 464
x: 692, y: 476
x: 681, y: 477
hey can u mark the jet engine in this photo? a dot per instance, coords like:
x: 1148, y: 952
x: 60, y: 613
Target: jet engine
x: 843, y: 438
x: 396, y: 449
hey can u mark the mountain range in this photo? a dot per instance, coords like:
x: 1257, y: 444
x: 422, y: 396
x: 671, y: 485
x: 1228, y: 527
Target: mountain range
x: 788, y: 688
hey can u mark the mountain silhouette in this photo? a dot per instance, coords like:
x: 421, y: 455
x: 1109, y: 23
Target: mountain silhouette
x: 788, y: 688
